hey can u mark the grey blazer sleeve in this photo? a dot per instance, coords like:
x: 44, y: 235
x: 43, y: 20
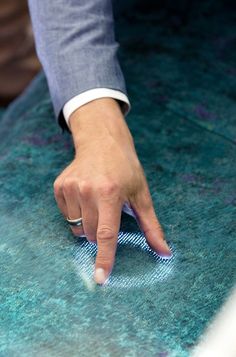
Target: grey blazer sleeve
x: 76, y: 45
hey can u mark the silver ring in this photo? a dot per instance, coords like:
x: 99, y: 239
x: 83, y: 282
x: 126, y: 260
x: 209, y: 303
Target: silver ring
x: 75, y: 222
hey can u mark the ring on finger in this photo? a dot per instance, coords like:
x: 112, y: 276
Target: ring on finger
x: 78, y: 222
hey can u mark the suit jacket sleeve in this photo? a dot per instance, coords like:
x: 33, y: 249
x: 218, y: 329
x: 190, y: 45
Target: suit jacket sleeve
x: 76, y: 45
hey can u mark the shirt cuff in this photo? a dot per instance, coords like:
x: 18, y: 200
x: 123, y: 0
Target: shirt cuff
x: 92, y: 94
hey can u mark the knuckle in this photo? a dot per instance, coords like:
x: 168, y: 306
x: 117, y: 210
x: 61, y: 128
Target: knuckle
x: 147, y: 198
x: 105, y: 233
x: 69, y: 185
x: 159, y: 228
x: 156, y: 228
x: 108, y: 189
x: 57, y: 187
x: 77, y: 231
x: 85, y: 189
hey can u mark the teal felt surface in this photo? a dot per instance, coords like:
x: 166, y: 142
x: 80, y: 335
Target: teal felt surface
x: 182, y: 84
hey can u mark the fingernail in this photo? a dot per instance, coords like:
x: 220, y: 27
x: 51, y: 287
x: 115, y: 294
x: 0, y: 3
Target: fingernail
x: 167, y: 254
x: 100, y: 276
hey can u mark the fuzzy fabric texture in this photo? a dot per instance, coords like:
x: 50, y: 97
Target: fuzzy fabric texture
x: 181, y: 77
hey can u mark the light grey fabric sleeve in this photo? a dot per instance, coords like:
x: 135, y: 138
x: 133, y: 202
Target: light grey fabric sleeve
x: 76, y: 45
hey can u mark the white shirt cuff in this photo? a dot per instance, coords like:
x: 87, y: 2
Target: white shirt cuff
x: 92, y: 94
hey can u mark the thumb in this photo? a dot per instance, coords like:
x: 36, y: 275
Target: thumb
x: 150, y: 226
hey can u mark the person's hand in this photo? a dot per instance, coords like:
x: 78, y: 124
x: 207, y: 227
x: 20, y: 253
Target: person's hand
x: 104, y: 175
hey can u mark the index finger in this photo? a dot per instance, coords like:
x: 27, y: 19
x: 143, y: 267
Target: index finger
x: 109, y: 217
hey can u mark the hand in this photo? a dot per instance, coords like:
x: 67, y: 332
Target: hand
x: 104, y: 175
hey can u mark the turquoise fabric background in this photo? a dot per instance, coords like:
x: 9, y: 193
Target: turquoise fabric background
x: 181, y: 77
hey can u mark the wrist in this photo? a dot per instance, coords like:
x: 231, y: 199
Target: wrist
x: 97, y: 120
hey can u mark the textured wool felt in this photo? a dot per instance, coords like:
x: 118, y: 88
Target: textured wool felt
x: 181, y: 79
